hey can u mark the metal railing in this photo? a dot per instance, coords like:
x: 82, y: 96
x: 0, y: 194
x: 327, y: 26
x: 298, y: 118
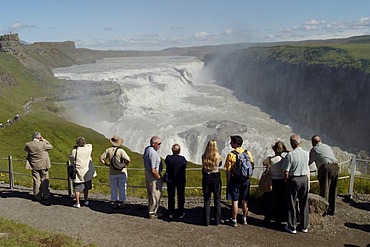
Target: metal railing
x: 10, y: 171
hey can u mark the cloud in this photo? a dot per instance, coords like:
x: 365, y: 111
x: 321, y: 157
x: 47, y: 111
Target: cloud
x: 201, y: 35
x: 108, y: 29
x: 228, y: 31
x: 18, y: 26
x: 314, y: 22
x: 321, y: 29
x: 365, y: 20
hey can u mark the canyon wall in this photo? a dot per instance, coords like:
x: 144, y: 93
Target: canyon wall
x: 324, y: 90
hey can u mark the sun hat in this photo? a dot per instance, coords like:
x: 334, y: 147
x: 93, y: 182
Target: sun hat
x: 116, y: 141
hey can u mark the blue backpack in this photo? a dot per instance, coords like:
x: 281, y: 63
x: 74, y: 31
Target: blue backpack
x: 243, y: 167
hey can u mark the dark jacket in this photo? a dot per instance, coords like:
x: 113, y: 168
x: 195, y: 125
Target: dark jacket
x: 176, y: 168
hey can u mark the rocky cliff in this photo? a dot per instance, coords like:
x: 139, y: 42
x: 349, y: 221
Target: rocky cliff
x: 320, y: 89
x: 10, y: 43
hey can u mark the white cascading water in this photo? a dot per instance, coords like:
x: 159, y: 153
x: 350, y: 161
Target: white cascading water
x: 173, y: 97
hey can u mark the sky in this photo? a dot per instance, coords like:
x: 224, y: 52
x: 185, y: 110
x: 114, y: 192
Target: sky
x: 159, y: 24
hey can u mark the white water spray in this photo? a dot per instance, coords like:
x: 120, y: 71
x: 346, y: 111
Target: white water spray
x: 173, y: 98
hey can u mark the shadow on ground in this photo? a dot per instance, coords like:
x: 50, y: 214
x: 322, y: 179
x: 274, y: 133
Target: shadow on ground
x: 193, y: 216
x: 357, y: 204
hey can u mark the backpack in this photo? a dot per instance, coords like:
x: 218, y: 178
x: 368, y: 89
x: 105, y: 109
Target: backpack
x: 243, y: 168
x: 117, y: 164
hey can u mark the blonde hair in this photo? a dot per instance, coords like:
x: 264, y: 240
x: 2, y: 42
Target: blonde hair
x: 211, y: 157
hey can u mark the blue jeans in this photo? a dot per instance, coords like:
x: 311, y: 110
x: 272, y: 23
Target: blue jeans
x: 118, y: 182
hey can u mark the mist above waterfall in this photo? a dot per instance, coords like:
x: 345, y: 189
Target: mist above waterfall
x: 173, y: 97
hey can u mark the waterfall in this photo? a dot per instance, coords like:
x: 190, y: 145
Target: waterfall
x: 173, y: 97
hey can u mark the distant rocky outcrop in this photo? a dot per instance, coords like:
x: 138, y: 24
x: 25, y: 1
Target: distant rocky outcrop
x: 6, y: 80
x: 10, y: 43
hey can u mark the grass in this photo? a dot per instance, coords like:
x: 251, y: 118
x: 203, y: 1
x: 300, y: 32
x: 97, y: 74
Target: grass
x: 16, y: 234
x: 350, y: 55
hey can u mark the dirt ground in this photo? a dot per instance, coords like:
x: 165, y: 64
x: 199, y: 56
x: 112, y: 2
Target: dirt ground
x: 104, y: 226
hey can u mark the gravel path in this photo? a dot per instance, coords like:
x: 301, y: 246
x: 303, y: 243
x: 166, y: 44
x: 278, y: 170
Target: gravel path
x: 104, y: 226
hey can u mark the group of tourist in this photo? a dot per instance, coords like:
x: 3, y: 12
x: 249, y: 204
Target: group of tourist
x: 289, y: 174
x: 9, y: 121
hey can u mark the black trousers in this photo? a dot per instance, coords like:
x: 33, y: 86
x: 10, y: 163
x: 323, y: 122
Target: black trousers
x: 171, y: 190
x: 328, y: 181
x: 275, y: 202
x: 211, y: 184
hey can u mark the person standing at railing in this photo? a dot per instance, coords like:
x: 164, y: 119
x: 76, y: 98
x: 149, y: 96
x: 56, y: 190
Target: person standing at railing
x: 117, y: 178
x: 211, y: 183
x: 153, y: 178
x: 80, y: 157
x: 275, y: 199
x: 295, y: 167
x: 328, y: 171
x: 39, y: 162
x: 176, y: 180
x: 237, y: 189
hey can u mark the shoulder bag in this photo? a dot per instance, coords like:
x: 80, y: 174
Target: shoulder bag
x: 265, y: 183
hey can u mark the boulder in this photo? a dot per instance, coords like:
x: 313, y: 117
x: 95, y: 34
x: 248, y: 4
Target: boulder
x: 317, y: 206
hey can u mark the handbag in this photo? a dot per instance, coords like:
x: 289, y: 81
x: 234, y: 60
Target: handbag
x: 72, y: 172
x: 265, y: 183
x: 116, y: 164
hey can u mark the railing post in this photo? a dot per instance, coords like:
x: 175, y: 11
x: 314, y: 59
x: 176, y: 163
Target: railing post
x: 352, y: 178
x: 11, y: 175
x: 69, y: 181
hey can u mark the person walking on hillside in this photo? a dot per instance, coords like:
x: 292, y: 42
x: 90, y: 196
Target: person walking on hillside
x: 275, y: 199
x: 39, y: 162
x: 237, y: 189
x: 295, y: 167
x: 211, y: 183
x: 117, y: 178
x: 80, y: 157
x: 153, y: 178
x: 328, y: 171
x: 176, y: 180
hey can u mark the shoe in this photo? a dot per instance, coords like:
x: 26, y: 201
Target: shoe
x: 170, y: 216
x: 115, y: 205
x: 244, y: 222
x: 290, y: 230
x: 232, y: 223
x: 86, y: 203
x: 182, y: 216
x: 330, y: 212
x: 155, y: 216
x: 76, y: 205
x: 121, y: 204
x: 304, y: 230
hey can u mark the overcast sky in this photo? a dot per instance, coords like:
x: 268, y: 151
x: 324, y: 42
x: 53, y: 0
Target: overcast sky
x: 158, y: 24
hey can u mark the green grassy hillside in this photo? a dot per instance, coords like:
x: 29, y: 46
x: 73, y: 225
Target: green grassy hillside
x: 353, y: 55
x: 18, y: 85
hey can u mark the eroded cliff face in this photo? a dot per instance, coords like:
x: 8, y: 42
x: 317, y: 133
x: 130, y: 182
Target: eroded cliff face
x: 90, y: 100
x: 330, y: 100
